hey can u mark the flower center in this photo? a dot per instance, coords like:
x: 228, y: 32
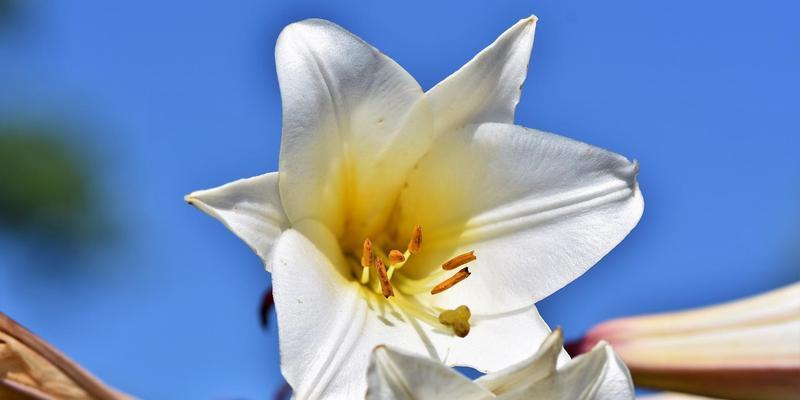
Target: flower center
x: 373, y: 274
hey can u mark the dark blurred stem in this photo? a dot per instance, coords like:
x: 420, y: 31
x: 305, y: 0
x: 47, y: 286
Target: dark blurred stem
x: 575, y: 347
x: 284, y: 392
x: 267, y: 302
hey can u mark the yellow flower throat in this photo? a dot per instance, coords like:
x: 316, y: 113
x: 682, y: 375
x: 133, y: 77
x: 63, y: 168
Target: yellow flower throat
x: 375, y: 259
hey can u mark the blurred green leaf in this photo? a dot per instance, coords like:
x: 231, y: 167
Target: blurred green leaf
x: 44, y: 185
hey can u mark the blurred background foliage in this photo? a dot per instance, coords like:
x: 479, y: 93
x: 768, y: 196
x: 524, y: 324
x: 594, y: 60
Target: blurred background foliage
x: 45, y: 188
x: 7, y: 10
x: 47, y: 191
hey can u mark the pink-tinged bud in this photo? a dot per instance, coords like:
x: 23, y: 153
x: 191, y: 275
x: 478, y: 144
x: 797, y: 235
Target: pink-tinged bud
x: 673, y: 396
x: 31, y: 368
x: 746, y: 349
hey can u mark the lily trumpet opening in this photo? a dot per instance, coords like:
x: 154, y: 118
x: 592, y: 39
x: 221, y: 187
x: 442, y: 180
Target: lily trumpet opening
x: 386, y: 194
x: 381, y: 281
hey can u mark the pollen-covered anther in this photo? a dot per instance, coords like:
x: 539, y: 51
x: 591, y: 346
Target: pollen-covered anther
x: 383, y: 278
x: 459, y: 260
x: 366, y: 253
x: 457, y: 319
x: 416, y: 240
x: 366, y: 260
x: 451, y: 281
x: 396, y: 257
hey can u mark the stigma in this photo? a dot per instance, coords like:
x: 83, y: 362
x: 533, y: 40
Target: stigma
x: 457, y: 319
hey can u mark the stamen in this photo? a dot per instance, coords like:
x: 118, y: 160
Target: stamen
x: 459, y: 260
x: 383, y: 278
x: 390, y: 272
x: 396, y: 257
x: 396, y: 260
x: 457, y: 319
x: 451, y: 281
x: 366, y: 260
x: 416, y: 240
x: 364, y: 275
x: 366, y: 253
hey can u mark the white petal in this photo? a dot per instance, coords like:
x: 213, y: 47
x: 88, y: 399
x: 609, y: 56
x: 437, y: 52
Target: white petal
x: 320, y: 319
x: 530, y: 370
x: 329, y: 325
x: 617, y: 382
x: 537, y: 208
x: 487, y: 88
x: 597, y: 375
x: 354, y: 123
x: 250, y: 208
x: 397, y: 375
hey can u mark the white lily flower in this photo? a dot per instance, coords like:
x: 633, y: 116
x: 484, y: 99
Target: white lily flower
x: 394, y: 374
x: 368, y: 159
x: 745, y: 349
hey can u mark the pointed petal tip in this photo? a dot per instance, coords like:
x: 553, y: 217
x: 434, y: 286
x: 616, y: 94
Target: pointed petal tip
x: 306, y: 23
x: 300, y: 25
x: 630, y: 174
x: 601, y: 344
x: 524, y: 27
x: 635, y: 170
x: 313, y: 21
x: 194, y: 199
x: 558, y: 332
x: 556, y: 338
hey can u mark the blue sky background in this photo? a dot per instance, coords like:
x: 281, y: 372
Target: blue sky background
x: 169, y: 97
